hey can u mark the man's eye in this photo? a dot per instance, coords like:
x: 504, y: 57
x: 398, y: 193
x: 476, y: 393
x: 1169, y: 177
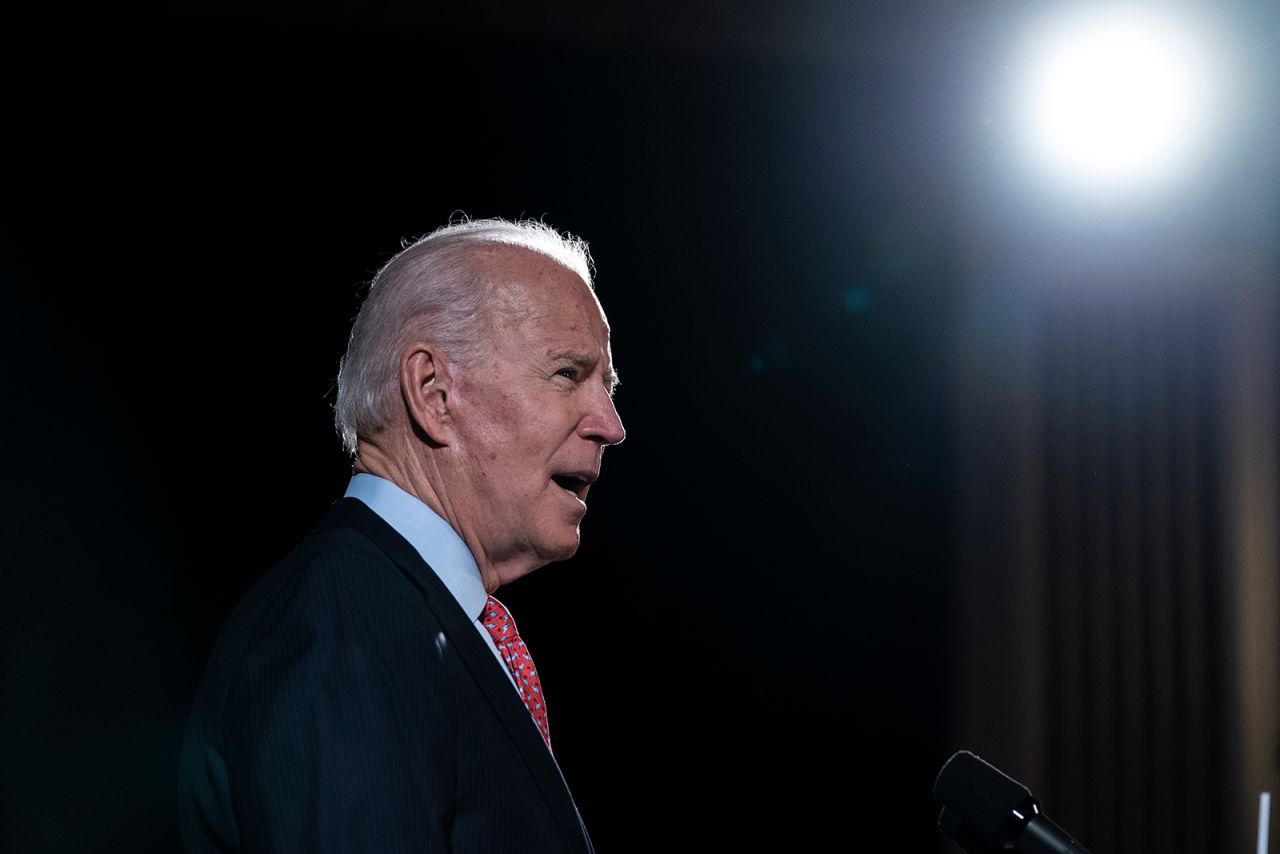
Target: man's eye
x: 569, y: 373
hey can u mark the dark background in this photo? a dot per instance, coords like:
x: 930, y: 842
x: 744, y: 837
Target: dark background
x: 774, y: 198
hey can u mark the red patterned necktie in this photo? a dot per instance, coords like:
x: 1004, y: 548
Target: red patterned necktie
x: 502, y: 628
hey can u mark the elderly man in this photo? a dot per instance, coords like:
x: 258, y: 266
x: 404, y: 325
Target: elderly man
x: 370, y: 694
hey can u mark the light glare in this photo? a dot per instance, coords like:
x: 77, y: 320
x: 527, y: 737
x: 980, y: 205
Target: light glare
x: 1116, y: 97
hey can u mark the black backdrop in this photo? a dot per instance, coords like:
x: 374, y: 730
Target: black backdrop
x: 748, y: 649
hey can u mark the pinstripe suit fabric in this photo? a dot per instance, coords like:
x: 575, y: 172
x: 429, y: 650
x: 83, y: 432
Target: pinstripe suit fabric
x: 351, y: 706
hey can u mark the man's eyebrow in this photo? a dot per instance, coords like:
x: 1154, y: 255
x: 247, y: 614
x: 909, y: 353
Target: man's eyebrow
x: 587, y: 362
x: 577, y: 359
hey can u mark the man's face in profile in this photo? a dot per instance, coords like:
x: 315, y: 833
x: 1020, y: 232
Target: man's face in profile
x: 534, y: 417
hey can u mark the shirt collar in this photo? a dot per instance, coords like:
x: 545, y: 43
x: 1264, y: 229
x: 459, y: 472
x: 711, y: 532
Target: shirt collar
x: 433, y: 537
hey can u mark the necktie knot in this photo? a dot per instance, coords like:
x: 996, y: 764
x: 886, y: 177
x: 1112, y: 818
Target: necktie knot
x: 497, y: 621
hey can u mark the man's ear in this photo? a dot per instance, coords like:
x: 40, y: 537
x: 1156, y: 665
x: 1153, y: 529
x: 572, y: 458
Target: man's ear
x: 425, y: 385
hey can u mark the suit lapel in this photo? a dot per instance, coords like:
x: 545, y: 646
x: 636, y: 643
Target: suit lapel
x: 478, y: 659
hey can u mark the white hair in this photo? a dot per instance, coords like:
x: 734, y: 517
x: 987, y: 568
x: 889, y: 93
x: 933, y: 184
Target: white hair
x: 433, y: 290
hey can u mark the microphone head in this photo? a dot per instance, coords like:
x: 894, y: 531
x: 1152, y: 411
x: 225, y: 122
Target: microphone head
x: 979, y: 803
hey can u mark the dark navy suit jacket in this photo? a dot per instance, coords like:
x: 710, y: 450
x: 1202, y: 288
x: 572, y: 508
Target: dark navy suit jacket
x: 350, y: 705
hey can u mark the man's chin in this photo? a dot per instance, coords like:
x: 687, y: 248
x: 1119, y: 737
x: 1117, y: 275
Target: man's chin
x: 562, y: 548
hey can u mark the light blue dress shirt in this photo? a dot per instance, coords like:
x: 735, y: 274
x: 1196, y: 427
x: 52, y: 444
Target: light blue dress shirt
x: 437, y: 542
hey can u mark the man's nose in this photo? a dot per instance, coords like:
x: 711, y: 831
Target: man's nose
x: 603, y: 424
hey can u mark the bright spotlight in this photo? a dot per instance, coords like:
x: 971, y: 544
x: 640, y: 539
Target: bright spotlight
x: 1117, y: 97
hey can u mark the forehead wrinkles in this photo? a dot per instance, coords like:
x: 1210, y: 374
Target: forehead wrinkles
x: 524, y: 282
x: 530, y: 293
x: 563, y: 300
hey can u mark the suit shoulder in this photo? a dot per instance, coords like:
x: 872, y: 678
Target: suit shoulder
x: 338, y: 578
x: 332, y: 572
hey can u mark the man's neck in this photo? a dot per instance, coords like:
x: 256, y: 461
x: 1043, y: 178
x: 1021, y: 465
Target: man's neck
x: 419, y: 475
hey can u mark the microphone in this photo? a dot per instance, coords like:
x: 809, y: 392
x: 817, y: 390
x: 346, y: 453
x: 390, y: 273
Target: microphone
x: 985, y: 811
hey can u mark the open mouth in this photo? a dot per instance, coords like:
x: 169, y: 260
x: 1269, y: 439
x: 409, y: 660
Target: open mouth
x: 575, y: 484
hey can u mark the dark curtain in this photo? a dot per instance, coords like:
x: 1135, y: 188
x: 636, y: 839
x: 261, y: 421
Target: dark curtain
x: 1116, y: 573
